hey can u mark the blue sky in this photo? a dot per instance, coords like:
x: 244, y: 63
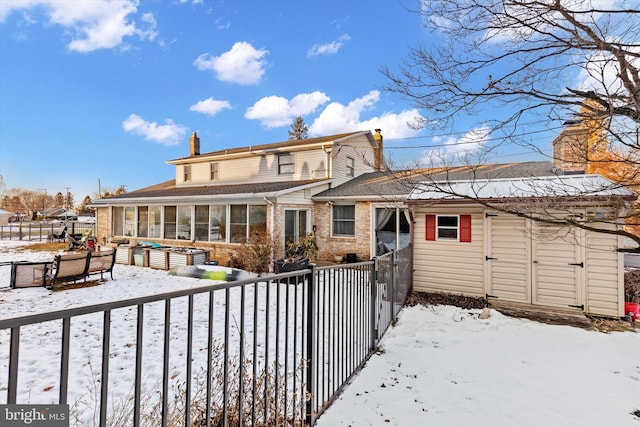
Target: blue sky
x: 108, y: 91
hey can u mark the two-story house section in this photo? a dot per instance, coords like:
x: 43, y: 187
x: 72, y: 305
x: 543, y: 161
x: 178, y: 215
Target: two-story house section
x: 219, y: 199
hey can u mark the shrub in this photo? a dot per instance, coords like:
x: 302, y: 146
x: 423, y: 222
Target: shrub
x: 307, y: 247
x: 632, y: 286
x: 253, y: 255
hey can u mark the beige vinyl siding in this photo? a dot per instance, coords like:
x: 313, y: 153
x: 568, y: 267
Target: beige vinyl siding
x: 508, y: 275
x: 557, y: 281
x: 301, y: 197
x: 446, y: 266
x: 604, y: 275
x: 311, y: 164
x: 360, y: 150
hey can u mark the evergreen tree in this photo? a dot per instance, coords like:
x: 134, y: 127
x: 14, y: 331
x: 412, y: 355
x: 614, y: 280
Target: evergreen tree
x: 83, y: 208
x: 299, y: 130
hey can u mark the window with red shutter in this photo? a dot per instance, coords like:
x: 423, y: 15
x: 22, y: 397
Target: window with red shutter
x: 448, y: 227
x: 465, y: 228
x: 430, y: 226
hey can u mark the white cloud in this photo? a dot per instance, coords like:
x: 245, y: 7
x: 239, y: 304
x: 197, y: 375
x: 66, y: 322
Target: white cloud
x: 339, y: 118
x: 91, y: 25
x: 210, y: 106
x: 276, y: 111
x: 328, y: 48
x: 243, y: 64
x: 167, y: 134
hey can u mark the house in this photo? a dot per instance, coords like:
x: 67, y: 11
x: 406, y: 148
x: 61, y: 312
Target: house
x: 60, y: 214
x: 463, y: 246
x: 485, y: 230
x: 218, y: 199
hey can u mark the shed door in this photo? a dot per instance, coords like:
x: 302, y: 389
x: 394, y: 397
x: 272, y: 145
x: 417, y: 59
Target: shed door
x: 508, y: 258
x: 533, y: 263
x: 557, y: 266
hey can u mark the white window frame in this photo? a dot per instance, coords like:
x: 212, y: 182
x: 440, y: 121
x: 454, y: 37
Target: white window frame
x: 186, y: 173
x: 214, y: 171
x: 448, y: 227
x: 351, y: 166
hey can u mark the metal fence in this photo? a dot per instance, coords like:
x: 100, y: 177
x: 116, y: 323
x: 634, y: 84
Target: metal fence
x: 39, y: 231
x: 271, y: 351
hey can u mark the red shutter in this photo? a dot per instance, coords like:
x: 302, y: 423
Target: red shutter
x: 430, y: 226
x: 465, y: 228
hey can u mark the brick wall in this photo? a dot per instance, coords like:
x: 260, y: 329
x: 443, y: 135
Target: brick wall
x: 331, y: 246
x: 570, y: 150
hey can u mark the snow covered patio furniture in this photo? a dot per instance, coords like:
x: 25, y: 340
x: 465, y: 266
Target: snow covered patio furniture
x: 28, y: 274
x: 101, y: 262
x: 67, y: 268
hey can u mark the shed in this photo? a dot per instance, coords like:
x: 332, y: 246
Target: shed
x: 468, y: 240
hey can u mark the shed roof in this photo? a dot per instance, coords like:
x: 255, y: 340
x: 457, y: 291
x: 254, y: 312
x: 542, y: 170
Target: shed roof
x: 556, y: 186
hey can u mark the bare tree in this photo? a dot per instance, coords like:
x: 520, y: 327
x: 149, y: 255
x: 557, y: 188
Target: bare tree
x: 299, y: 130
x: 533, y: 63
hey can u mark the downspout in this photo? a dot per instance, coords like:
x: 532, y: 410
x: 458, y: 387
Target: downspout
x: 272, y: 222
x: 329, y: 173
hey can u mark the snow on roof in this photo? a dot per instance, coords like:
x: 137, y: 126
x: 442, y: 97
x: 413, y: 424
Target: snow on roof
x: 517, y: 188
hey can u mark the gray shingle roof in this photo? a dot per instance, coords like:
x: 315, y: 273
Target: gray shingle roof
x: 275, y: 145
x: 168, y: 189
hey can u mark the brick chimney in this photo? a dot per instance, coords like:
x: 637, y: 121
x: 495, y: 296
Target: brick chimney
x: 378, y: 160
x: 194, y: 145
x: 571, y: 148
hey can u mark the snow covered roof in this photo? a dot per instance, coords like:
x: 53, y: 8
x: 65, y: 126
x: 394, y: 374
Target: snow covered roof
x: 557, y: 186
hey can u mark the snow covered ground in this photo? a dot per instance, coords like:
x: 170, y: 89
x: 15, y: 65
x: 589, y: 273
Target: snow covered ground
x: 442, y: 366
x: 439, y: 366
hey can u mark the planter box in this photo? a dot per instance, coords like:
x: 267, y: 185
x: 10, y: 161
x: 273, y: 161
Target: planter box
x: 159, y: 259
x: 283, y: 266
x: 124, y: 255
x: 187, y: 258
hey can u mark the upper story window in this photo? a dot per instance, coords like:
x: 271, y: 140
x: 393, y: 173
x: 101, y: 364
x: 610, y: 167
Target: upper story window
x: 187, y: 173
x: 214, y: 172
x: 351, y: 166
x: 285, y: 164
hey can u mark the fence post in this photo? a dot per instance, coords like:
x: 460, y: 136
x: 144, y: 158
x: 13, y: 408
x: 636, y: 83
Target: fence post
x: 311, y: 339
x: 392, y: 285
x: 373, y: 331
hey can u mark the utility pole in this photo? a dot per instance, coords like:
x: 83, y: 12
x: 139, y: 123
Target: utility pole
x: 66, y: 203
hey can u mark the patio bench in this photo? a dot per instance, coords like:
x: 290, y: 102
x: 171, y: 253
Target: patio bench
x: 102, y: 262
x: 66, y: 268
